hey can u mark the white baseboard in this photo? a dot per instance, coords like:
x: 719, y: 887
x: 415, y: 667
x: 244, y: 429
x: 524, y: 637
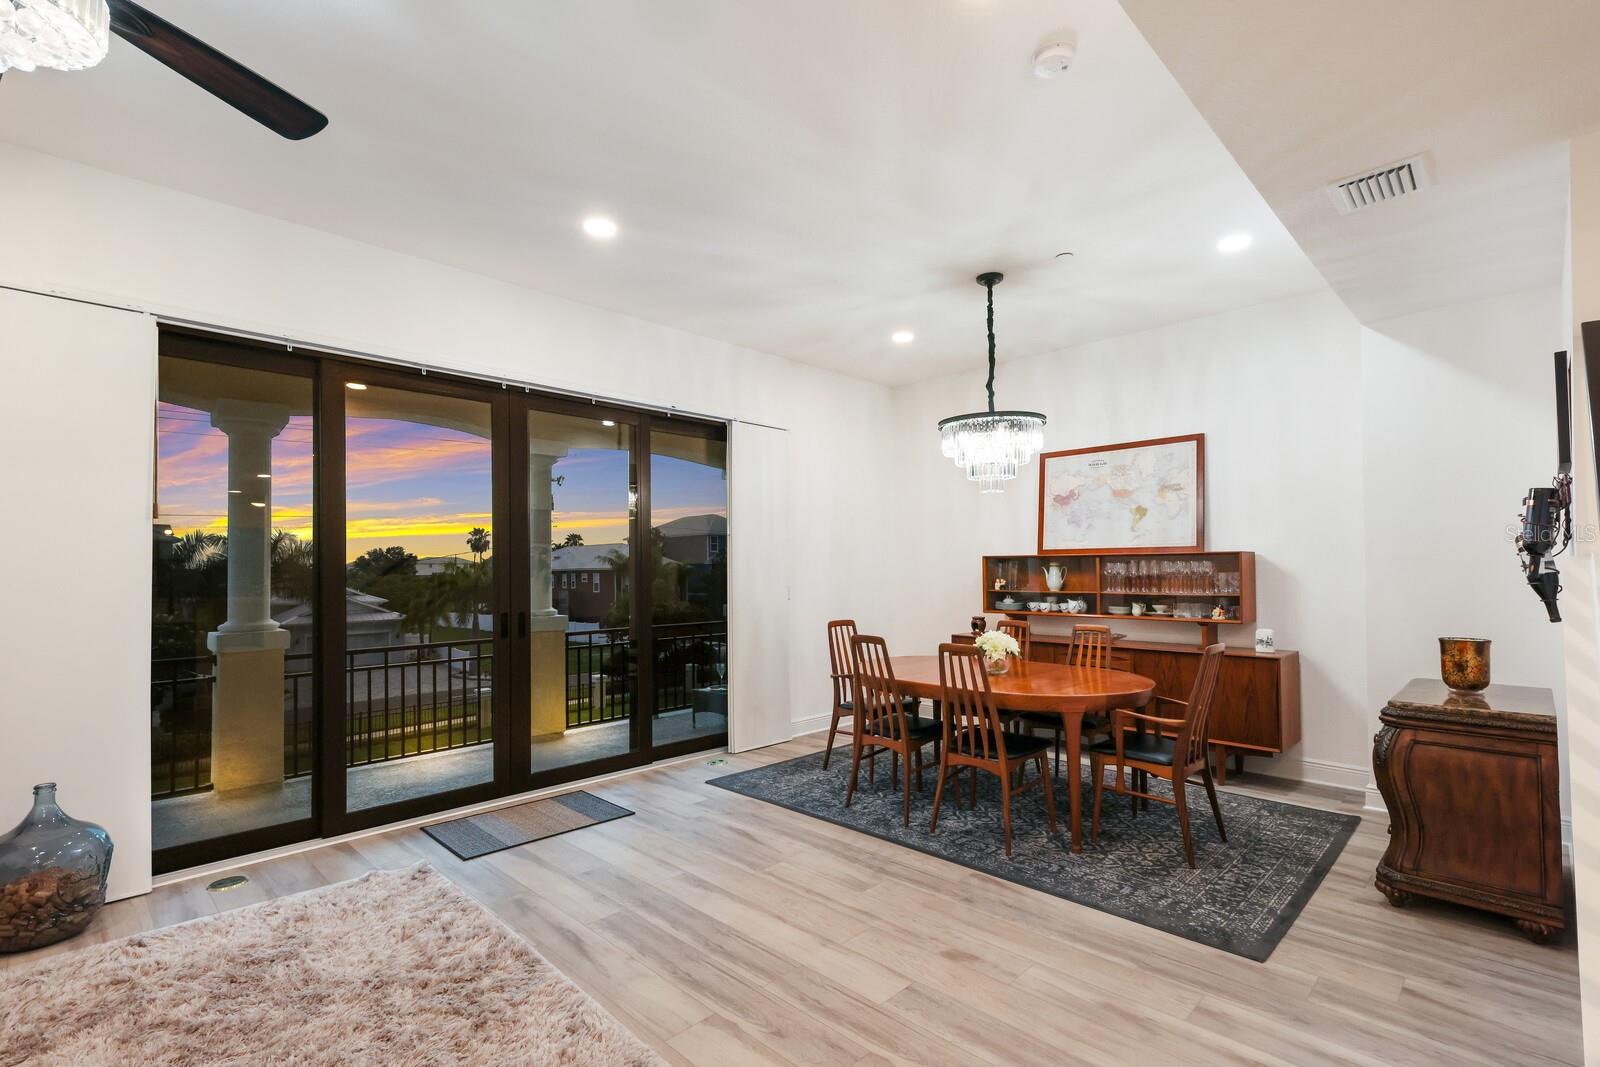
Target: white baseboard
x: 811, y: 724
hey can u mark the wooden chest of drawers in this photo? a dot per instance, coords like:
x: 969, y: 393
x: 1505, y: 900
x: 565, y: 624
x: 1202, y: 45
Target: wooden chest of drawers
x: 1472, y: 785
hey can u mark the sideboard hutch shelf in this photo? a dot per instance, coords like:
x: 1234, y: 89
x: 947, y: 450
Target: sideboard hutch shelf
x: 1020, y: 579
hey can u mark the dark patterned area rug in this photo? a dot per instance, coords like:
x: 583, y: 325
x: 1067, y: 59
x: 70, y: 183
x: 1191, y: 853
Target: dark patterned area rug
x: 1241, y: 897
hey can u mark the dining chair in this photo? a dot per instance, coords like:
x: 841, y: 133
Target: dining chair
x: 1091, y: 647
x: 842, y: 673
x: 974, y: 740
x: 1173, y: 758
x: 880, y: 721
x: 1022, y: 631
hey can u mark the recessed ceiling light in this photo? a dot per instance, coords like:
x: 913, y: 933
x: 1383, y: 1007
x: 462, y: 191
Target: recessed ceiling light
x: 357, y: 386
x: 599, y: 226
x: 607, y: 422
x: 263, y: 476
x: 1234, y: 242
x: 902, y: 337
x: 257, y: 504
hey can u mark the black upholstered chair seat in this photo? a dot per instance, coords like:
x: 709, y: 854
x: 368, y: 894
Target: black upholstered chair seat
x: 1018, y: 746
x: 1146, y: 748
x: 909, y: 702
x: 916, y: 726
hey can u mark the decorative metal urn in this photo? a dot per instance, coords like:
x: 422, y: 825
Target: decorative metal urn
x: 1464, y: 663
x: 53, y: 872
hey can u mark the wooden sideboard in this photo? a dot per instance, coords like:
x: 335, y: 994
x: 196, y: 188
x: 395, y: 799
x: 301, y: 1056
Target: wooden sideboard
x: 1472, y: 784
x: 1257, y: 710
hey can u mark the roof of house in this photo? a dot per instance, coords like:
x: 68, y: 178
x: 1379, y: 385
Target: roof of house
x: 586, y: 557
x: 358, y: 607
x: 695, y: 526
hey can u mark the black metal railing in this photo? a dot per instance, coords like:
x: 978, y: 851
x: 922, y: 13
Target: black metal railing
x: 602, y: 673
x: 410, y: 699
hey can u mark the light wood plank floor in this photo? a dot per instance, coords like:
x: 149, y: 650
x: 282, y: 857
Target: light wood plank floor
x: 726, y: 931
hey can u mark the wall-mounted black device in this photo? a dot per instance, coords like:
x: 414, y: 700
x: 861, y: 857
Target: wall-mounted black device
x: 1547, y: 511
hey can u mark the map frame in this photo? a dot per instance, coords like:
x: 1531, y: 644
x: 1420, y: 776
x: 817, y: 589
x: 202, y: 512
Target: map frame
x: 1197, y: 490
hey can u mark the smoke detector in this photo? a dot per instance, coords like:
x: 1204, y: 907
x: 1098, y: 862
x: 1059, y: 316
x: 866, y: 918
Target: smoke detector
x: 1389, y: 182
x: 1053, y: 58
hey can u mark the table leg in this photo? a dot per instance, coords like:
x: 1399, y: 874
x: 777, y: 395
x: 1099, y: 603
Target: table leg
x: 1074, y: 729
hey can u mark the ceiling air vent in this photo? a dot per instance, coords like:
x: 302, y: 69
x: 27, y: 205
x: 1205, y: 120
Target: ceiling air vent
x: 1386, y: 183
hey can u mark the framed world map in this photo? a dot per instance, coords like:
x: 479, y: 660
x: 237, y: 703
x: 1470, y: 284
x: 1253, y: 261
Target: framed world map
x: 1143, y: 496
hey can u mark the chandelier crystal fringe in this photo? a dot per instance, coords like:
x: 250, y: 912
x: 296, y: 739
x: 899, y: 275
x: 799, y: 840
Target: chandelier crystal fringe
x: 992, y: 446
x: 59, y: 34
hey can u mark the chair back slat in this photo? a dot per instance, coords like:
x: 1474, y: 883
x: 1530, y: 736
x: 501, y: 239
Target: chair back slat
x: 1193, y: 739
x: 841, y: 660
x: 1091, y: 646
x: 971, y: 723
x: 1021, y: 630
x: 877, y: 702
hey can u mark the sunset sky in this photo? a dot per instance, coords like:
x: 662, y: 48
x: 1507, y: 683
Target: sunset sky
x: 422, y: 487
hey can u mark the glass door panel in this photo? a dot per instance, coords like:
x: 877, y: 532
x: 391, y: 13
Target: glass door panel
x: 583, y: 665
x: 233, y: 712
x: 420, y: 604
x: 688, y: 563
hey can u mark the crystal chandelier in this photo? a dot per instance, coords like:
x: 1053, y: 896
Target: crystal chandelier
x: 60, y: 34
x: 990, y: 445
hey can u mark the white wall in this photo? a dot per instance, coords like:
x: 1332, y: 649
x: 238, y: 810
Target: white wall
x: 1459, y: 414
x: 74, y: 428
x: 1581, y: 595
x: 1276, y: 391
x: 101, y: 236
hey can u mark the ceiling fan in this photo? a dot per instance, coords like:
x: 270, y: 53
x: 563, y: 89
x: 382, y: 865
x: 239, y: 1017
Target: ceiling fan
x: 73, y: 35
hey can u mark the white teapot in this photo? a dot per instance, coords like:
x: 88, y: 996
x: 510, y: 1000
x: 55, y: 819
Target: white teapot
x: 1076, y: 605
x: 1055, y: 576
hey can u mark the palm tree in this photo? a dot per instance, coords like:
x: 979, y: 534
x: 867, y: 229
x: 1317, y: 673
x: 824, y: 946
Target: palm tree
x: 478, y: 542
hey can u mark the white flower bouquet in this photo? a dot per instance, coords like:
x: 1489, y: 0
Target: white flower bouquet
x: 996, y: 647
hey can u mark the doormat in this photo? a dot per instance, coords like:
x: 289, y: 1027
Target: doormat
x: 493, y: 831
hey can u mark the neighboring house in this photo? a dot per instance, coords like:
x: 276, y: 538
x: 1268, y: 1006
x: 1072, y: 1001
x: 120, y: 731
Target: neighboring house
x: 429, y: 565
x: 584, y: 584
x: 696, y: 539
x: 367, y: 619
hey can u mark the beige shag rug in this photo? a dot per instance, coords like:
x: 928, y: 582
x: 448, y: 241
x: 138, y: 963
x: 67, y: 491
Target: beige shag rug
x: 395, y: 968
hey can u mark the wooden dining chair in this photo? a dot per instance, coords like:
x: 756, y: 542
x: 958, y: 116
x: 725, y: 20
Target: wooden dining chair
x: 974, y: 740
x: 1021, y: 630
x: 1173, y: 758
x: 842, y: 674
x: 1091, y: 647
x: 881, y: 721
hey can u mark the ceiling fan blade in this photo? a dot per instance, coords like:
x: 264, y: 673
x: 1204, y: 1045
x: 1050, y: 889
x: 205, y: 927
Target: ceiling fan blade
x: 231, y: 82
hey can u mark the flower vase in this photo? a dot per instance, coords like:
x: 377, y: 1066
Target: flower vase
x: 998, y: 664
x: 53, y: 872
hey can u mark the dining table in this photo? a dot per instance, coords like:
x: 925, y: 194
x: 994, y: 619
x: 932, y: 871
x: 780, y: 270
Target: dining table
x: 1031, y: 685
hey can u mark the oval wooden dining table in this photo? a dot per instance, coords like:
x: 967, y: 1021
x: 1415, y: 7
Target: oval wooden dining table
x: 1071, y: 692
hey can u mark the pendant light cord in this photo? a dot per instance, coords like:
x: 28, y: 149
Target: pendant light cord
x: 990, y: 286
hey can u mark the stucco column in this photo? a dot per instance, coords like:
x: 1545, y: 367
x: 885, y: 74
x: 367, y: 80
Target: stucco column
x: 247, y: 733
x: 547, y: 637
x: 542, y: 457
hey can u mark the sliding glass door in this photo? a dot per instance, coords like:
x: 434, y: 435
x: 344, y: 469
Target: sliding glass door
x: 582, y: 634
x: 420, y: 625
x: 234, y: 704
x: 688, y: 501
x: 379, y: 594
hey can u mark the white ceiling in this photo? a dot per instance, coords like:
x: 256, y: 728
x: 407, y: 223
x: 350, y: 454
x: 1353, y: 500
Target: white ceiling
x: 1304, y: 94
x: 798, y: 178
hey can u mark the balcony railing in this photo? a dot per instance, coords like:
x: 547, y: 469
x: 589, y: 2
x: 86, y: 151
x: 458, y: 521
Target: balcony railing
x: 412, y: 699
